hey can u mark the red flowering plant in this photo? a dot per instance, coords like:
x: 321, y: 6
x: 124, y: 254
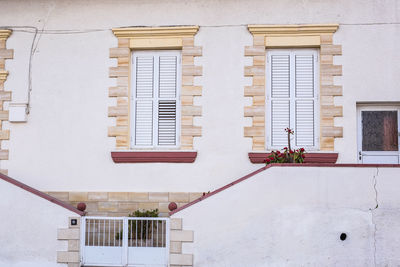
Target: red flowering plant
x: 287, y: 155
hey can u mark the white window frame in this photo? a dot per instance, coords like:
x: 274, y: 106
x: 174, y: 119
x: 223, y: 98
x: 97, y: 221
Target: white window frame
x: 155, y: 98
x: 268, y: 126
x: 375, y: 107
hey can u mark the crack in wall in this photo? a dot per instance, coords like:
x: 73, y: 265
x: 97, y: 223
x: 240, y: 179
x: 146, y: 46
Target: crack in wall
x: 374, y: 181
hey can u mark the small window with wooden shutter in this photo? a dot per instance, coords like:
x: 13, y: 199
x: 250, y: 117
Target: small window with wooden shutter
x: 155, y: 99
x: 292, y: 97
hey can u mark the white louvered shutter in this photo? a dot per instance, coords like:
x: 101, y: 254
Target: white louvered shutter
x: 292, y: 97
x: 304, y: 100
x: 280, y: 98
x: 143, y: 98
x: 167, y: 94
x: 155, y: 99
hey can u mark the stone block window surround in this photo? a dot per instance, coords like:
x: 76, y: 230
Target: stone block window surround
x: 179, y: 39
x: 268, y: 37
x: 5, y: 95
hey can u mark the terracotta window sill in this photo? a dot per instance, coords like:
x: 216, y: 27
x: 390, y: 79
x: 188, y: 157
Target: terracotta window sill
x: 259, y: 157
x: 154, y: 156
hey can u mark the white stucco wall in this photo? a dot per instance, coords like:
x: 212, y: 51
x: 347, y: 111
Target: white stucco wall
x: 64, y: 145
x: 28, y: 232
x: 294, y: 217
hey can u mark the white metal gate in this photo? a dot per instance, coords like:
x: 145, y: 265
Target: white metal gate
x: 125, y: 241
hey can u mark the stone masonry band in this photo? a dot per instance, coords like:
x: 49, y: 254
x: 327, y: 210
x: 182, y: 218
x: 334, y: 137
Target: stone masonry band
x: 124, y: 203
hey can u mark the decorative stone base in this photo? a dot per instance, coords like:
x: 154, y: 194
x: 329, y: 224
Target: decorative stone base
x: 124, y: 203
x: 178, y: 236
x: 72, y: 236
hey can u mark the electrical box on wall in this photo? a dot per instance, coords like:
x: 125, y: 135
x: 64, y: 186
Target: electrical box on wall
x: 17, y: 112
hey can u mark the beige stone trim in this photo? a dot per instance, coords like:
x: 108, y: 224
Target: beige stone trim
x: 124, y: 203
x: 4, y: 95
x: 68, y: 234
x: 181, y: 259
x: 296, y: 36
x: 181, y: 235
x: 4, y: 34
x: 178, y: 237
x: 156, y: 43
x: 3, y: 75
x: 67, y: 257
x: 152, y: 32
x: 72, y: 236
x: 306, y: 29
x: 292, y: 41
x: 142, y: 38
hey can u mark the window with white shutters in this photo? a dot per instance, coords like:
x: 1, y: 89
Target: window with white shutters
x: 292, y: 97
x: 155, y: 99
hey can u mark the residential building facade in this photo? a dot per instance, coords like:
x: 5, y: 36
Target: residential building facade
x: 129, y: 106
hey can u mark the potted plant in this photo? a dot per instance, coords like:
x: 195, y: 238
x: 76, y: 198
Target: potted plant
x: 287, y: 155
x: 141, y: 232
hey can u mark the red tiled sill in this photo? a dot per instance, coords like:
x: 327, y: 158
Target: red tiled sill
x: 154, y: 156
x: 259, y: 157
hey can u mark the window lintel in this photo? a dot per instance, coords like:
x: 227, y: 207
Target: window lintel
x: 282, y: 30
x: 144, y: 38
x: 156, y: 32
x: 283, y: 36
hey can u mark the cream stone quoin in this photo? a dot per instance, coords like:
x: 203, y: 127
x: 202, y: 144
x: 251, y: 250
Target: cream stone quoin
x: 294, y: 36
x: 154, y: 38
x: 4, y: 95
